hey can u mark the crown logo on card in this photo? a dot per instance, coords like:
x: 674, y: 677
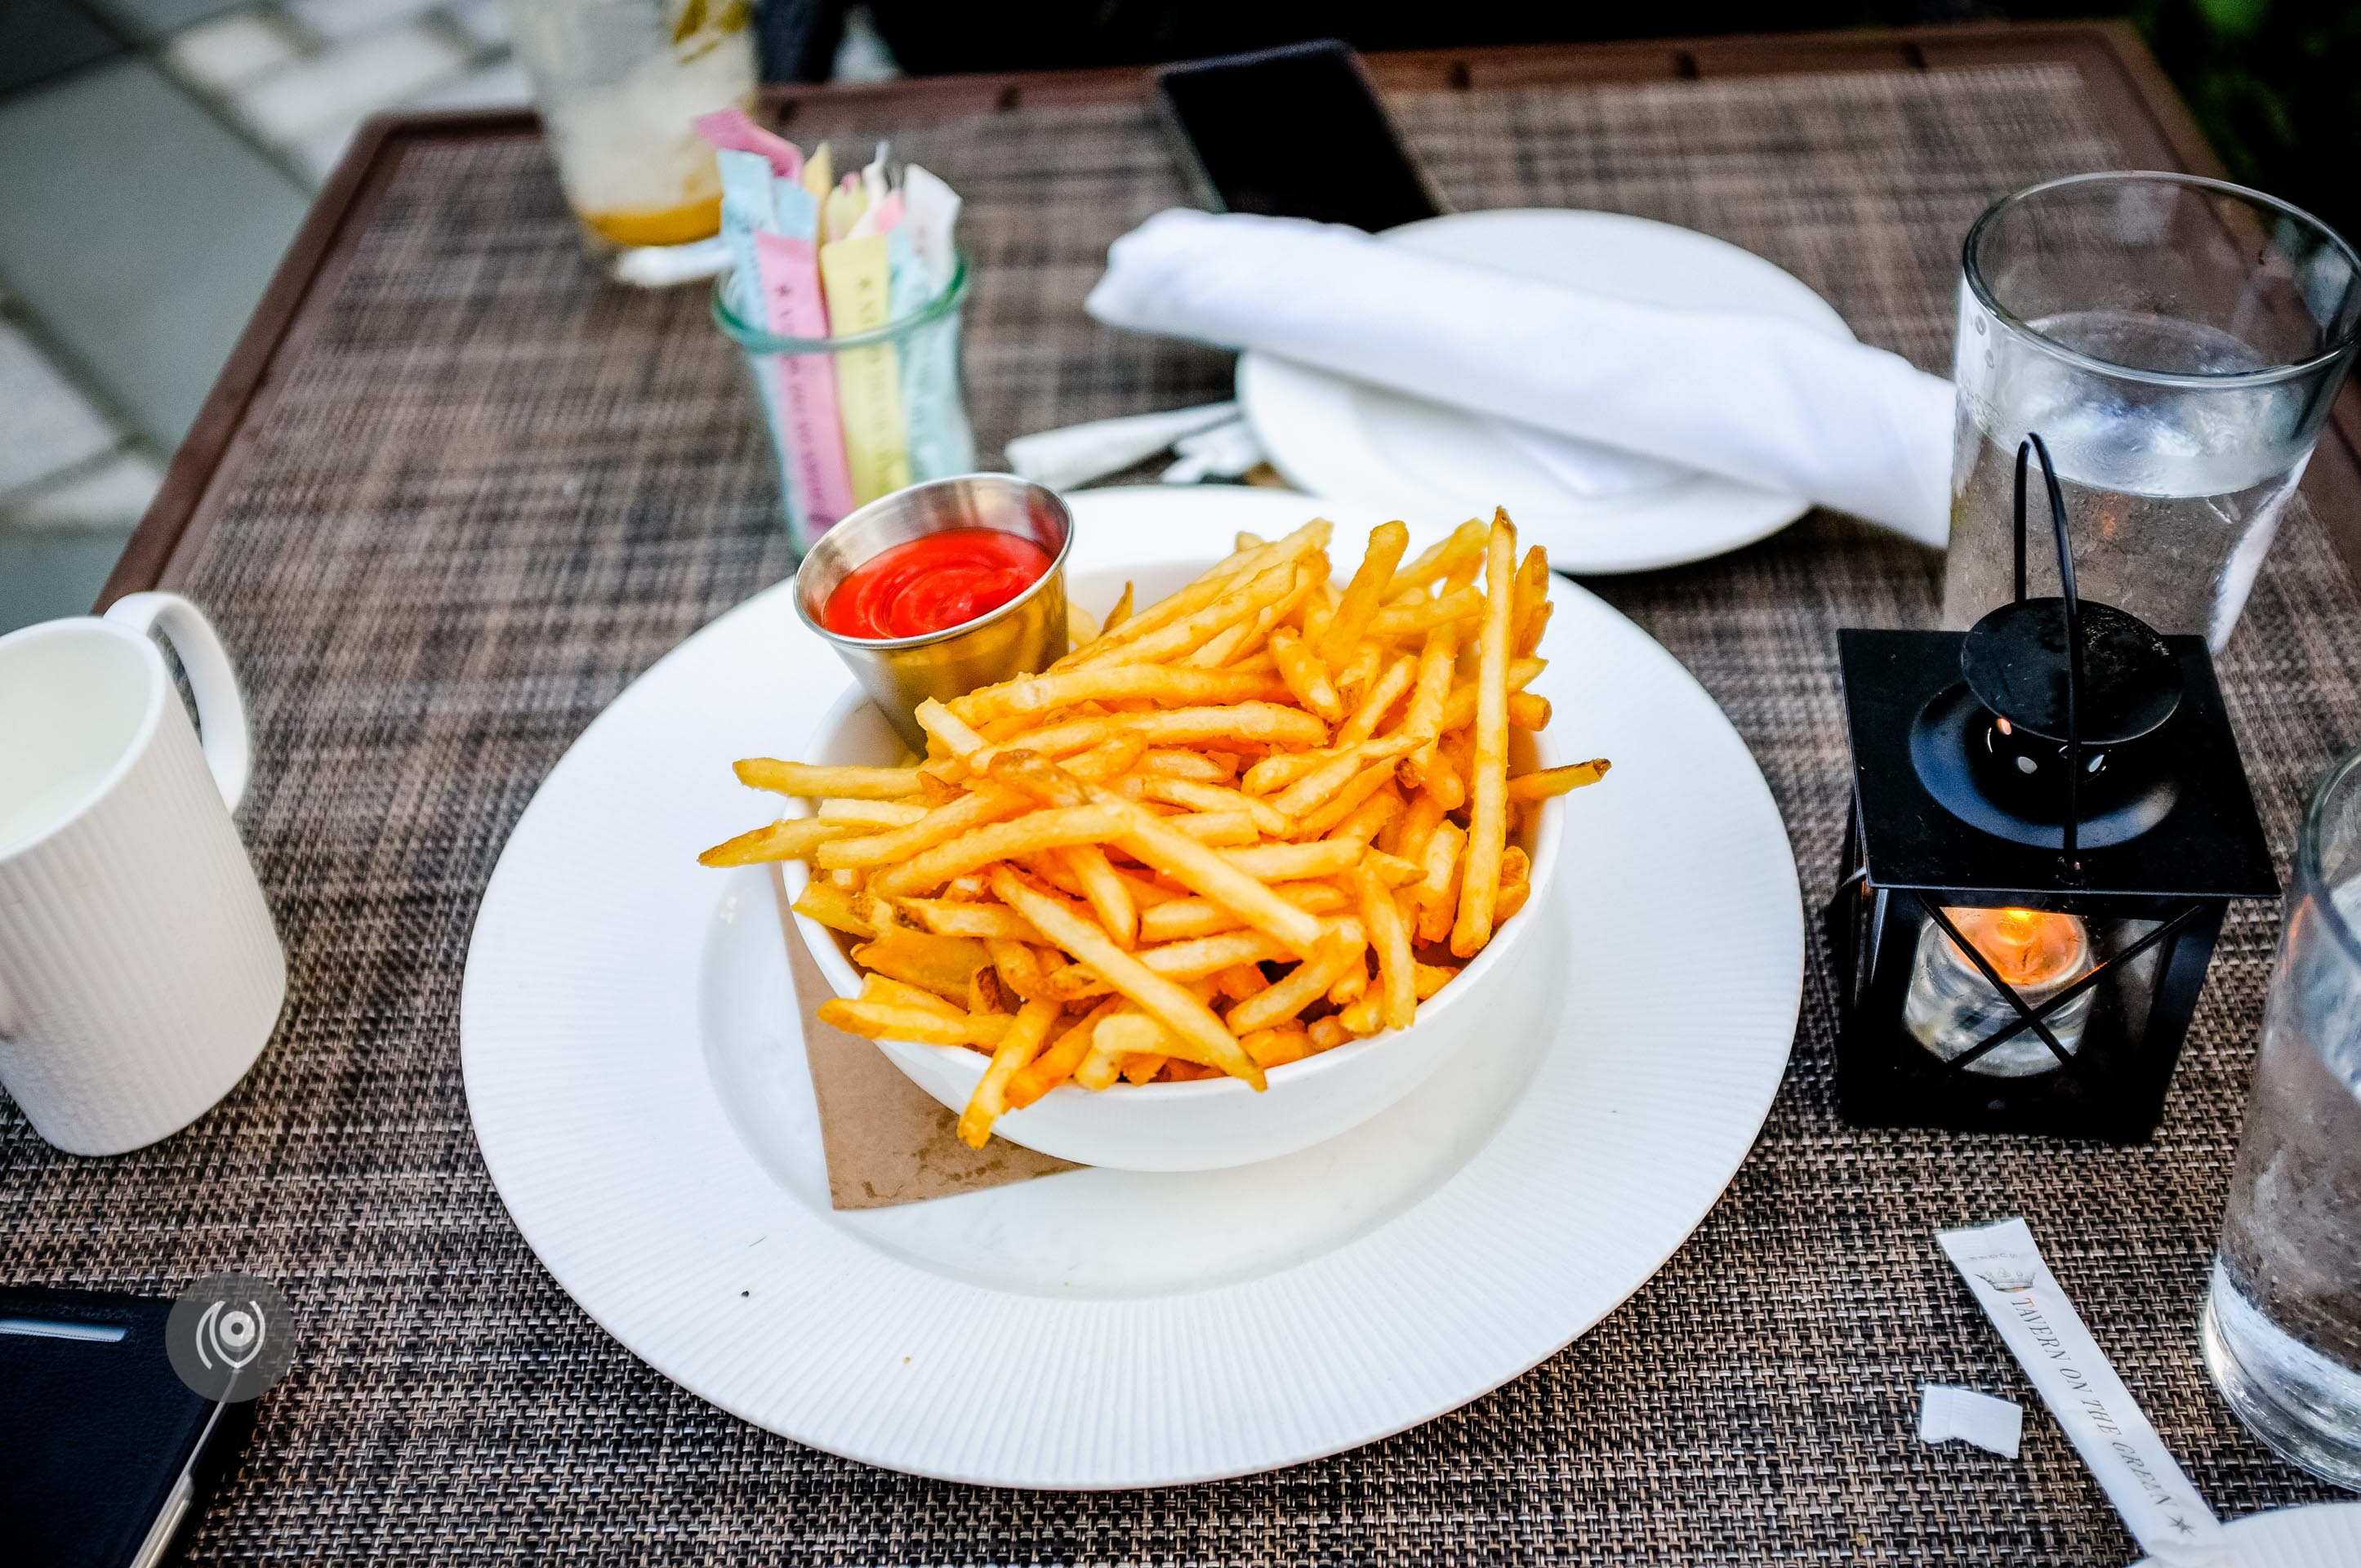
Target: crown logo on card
x: 2010, y: 1273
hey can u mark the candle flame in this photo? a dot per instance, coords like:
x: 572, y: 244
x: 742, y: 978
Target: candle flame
x: 2028, y: 947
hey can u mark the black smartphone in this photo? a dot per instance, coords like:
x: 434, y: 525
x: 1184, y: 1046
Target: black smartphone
x: 1294, y: 133
x: 109, y: 1455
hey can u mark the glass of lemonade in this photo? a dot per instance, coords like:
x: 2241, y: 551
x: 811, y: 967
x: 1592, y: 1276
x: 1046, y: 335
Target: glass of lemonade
x: 620, y: 84
x: 2282, y: 1327
x: 2177, y: 343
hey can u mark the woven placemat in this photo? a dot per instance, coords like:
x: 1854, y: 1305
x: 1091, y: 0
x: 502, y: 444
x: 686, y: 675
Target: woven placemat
x: 493, y: 490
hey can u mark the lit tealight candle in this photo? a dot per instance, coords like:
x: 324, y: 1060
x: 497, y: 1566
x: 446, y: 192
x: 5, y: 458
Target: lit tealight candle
x: 1952, y: 1007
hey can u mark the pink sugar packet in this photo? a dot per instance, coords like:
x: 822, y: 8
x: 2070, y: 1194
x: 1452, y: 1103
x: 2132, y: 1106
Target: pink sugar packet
x: 813, y: 432
x: 882, y: 218
x: 735, y: 129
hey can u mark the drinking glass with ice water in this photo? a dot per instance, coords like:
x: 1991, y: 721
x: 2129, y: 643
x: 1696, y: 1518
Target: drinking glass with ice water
x: 2282, y: 1329
x: 2176, y: 342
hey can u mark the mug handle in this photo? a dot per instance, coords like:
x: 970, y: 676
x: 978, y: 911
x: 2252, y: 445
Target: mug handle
x: 221, y: 712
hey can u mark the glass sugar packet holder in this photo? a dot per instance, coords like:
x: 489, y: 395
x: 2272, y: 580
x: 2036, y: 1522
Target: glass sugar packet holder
x: 857, y: 417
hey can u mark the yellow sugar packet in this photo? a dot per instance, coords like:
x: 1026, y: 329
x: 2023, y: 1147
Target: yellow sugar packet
x: 855, y: 274
x: 842, y: 209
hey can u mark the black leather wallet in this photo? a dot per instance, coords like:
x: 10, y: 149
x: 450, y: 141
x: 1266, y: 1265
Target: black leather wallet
x: 104, y: 1453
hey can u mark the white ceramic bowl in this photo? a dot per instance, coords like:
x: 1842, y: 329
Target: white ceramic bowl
x: 1209, y: 1123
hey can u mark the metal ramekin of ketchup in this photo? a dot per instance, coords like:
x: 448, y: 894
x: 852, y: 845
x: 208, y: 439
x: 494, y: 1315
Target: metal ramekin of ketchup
x: 939, y: 589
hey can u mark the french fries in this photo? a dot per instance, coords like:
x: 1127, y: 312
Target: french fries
x: 838, y: 784
x: 1232, y: 829
x: 1488, y: 788
x: 1362, y: 595
x: 1548, y: 781
x: 789, y: 839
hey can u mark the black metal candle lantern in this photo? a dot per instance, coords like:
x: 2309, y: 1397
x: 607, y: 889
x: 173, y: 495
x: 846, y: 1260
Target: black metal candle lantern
x: 2049, y: 820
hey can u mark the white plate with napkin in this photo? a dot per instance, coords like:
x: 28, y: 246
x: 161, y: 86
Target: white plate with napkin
x: 1670, y: 351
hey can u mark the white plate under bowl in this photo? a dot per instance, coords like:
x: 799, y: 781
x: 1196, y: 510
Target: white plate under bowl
x: 1427, y: 463
x: 635, y: 1073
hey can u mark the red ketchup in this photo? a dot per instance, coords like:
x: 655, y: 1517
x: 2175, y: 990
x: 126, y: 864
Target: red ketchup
x: 934, y: 583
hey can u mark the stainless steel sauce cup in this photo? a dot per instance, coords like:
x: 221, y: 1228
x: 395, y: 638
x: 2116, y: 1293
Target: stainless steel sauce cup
x: 1020, y: 637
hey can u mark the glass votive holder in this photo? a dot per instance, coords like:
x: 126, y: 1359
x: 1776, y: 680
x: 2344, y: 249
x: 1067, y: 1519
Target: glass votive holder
x: 858, y: 417
x: 1952, y: 1008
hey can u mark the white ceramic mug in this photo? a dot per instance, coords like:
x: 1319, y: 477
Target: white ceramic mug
x: 139, y: 972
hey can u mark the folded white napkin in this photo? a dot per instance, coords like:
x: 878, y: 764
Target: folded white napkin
x: 1077, y: 453
x: 1756, y: 398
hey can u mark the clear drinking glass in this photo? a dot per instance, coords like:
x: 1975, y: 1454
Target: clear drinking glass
x: 2176, y: 342
x: 2282, y: 1328
x: 620, y: 84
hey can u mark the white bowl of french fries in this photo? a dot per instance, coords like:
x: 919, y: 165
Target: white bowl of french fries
x: 1231, y: 878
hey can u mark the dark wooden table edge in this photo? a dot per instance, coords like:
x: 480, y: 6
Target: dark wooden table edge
x: 2134, y: 98
x: 183, y: 510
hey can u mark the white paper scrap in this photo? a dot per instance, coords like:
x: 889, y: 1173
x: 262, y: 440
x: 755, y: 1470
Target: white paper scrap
x: 664, y: 266
x: 1946, y: 1411
x: 2005, y: 1273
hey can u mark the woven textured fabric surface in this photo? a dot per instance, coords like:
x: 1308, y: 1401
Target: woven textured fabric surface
x: 491, y: 490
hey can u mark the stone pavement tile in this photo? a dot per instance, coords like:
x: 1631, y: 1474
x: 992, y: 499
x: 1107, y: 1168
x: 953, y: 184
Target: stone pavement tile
x: 47, y: 427
x: 139, y: 232
x: 348, y: 82
x: 351, y: 18
x: 41, y: 38
x: 153, y: 19
x: 109, y: 494
x: 228, y: 50
x: 49, y: 571
x: 502, y: 85
x: 482, y: 20
x: 318, y: 153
